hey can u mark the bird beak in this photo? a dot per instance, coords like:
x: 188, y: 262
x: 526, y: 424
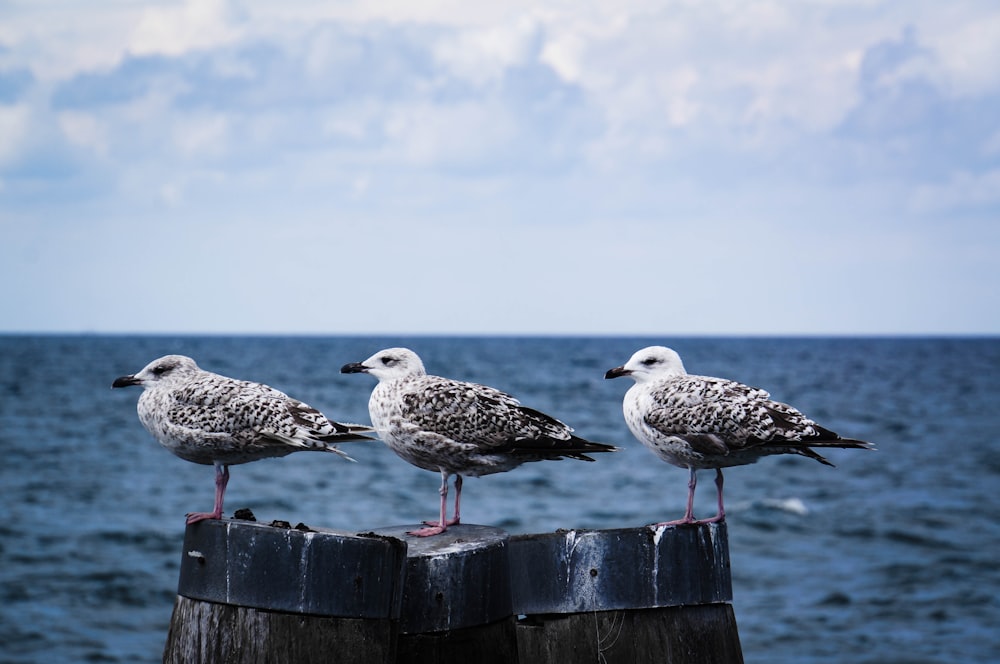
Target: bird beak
x: 354, y: 367
x: 617, y: 372
x: 125, y: 381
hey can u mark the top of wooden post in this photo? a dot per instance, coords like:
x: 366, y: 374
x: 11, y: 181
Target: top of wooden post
x: 470, y: 575
x: 630, y: 568
x: 460, y: 578
x: 320, y: 572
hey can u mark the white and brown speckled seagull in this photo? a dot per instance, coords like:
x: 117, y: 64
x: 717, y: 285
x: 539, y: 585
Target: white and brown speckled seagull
x: 214, y: 420
x: 459, y: 428
x: 699, y: 422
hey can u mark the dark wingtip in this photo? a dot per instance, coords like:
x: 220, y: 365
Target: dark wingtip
x: 590, y: 446
x: 849, y: 443
x: 557, y: 448
x: 347, y: 437
x: 349, y: 432
x: 590, y: 450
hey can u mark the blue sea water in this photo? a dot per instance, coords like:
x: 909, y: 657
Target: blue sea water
x: 892, y: 556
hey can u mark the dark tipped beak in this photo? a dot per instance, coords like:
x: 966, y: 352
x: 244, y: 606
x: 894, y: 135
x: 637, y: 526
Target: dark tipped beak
x: 354, y: 367
x: 125, y: 381
x: 617, y: 372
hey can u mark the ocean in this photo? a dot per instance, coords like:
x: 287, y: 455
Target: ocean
x: 892, y: 556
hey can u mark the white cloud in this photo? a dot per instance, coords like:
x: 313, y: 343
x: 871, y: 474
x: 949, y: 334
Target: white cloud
x: 732, y: 72
x: 196, y: 24
x: 734, y: 132
x: 202, y: 134
x: 483, y: 55
x: 59, y: 40
x: 171, y: 194
x: 349, y: 121
x: 662, y: 79
x: 14, y: 126
x: 461, y: 133
x: 992, y: 144
x: 563, y: 54
x: 571, y: 39
x: 85, y: 130
x: 967, y: 48
x: 455, y: 13
x: 962, y: 191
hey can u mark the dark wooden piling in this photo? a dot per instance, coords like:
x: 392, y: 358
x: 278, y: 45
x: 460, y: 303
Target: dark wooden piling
x: 630, y: 596
x: 255, y: 593
x: 456, y: 605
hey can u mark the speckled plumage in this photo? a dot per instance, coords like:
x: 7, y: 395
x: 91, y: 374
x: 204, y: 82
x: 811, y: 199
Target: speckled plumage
x: 210, y: 419
x: 699, y: 422
x: 459, y: 428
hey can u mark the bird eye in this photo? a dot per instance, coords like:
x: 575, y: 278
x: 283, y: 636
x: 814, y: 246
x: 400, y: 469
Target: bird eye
x: 388, y: 361
x: 650, y: 361
x: 164, y: 368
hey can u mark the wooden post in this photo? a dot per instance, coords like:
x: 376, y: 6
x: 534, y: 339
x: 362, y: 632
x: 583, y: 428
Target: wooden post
x: 255, y: 593
x: 625, y: 596
x: 456, y: 605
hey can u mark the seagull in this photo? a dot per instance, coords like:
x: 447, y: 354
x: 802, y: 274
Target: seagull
x: 211, y: 419
x: 698, y: 422
x: 459, y: 428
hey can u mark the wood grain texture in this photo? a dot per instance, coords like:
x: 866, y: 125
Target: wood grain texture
x: 206, y: 632
x: 704, y: 634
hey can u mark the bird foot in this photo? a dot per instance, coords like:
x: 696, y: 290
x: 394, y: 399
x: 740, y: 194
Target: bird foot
x: 433, y: 529
x: 195, y: 517
x: 718, y: 518
x: 450, y: 522
x: 689, y: 521
x: 678, y: 522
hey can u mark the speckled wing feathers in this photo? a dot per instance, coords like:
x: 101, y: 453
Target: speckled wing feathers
x: 717, y: 416
x: 492, y: 419
x: 250, y: 411
x: 472, y: 412
x: 208, y: 417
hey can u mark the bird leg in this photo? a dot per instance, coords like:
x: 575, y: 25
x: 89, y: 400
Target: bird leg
x: 455, y: 520
x: 458, y: 500
x: 221, y: 480
x: 689, y: 514
x: 441, y: 525
x: 721, y: 514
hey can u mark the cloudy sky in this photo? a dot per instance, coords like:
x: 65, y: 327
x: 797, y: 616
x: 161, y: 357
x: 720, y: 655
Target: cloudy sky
x: 666, y: 168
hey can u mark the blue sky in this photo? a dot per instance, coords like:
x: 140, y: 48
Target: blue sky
x: 664, y: 168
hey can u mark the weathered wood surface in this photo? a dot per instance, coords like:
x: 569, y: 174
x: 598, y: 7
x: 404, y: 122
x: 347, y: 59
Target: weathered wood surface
x: 495, y: 643
x: 458, y: 579
x: 572, y: 571
x: 456, y: 604
x: 206, y: 632
x: 253, y: 593
x: 625, y: 595
x: 704, y: 634
x: 319, y: 572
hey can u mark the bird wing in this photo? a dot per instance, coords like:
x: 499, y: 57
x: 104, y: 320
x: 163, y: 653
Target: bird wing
x: 254, y: 413
x: 716, y: 415
x: 210, y: 404
x: 473, y: 413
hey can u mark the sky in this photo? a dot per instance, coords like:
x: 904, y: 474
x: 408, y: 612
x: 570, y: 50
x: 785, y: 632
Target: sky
x: 822, y: 167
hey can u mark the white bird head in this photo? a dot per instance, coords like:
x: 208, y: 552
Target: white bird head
x: 389, y: 364
x: 166, y: 370
x: 652, y: 363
